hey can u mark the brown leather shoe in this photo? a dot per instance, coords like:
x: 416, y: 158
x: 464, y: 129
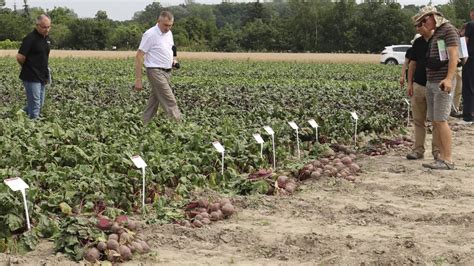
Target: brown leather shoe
x: 414, y: 155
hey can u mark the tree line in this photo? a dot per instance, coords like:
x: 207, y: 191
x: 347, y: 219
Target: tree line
x: 280, y: 26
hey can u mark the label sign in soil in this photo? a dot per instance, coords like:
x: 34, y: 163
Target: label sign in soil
x: 138, y: 161
x: 269, y: 130
x: 218, y: 146
x: 17, y: 184
x: 313, y: 123
x: 293, y: 125
x: 258, y: 138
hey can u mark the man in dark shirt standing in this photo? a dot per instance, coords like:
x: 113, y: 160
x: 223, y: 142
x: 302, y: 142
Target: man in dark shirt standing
x: 33, y: 57
x: 468, y: 76
x: 417, y: 92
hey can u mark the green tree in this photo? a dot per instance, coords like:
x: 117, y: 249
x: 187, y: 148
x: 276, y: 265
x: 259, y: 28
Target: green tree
x: 304, y: 25
x: 126, y: 37
x: 14, y: 27
x: 59, y: 35
x: 379, y: 25
x: 150, y: 15
x: 229, y: 14
x: 101, y: 15
x: 256, y: 11
x: 227, y: 40
x: 89, y: 34
x: 62, y: 15
x: 258, y: 36
x: 461, y: 9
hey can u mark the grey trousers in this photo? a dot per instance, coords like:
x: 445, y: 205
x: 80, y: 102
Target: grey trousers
x: 161, y: 93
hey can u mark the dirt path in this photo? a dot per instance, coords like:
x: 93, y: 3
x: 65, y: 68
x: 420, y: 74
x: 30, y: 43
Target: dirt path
x: 286, y: 57
x: 395, y: 213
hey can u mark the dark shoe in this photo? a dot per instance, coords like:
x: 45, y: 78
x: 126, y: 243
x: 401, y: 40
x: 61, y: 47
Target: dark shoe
x: 414, y: 155
x: 439, y: 165
x: 457, y: 114
x: 436, y: 155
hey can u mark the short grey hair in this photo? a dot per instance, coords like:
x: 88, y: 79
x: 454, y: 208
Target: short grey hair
x: 41, y: 18
x: 166, y: 14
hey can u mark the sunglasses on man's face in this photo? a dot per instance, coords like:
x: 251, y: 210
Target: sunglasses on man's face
x: 44, y: 27
x: 423, y: 21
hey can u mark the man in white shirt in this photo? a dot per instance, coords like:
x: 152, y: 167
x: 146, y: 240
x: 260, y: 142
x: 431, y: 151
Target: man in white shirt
x: 158, y: 53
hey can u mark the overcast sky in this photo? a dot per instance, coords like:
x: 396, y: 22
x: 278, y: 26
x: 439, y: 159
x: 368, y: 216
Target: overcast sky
x: 124, y: 9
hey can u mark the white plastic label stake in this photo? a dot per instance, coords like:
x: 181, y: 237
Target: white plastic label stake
x: 408, y: 112
x: 220, y: 149
x: 260, y: 141
x: 270, y: 131
x: 355, y: 117
x: 16, y: 184
x: 218, y: 146
x: 140, y: 163
x: 294, y: 126
x: 314, y: 125
x: 258, y: 138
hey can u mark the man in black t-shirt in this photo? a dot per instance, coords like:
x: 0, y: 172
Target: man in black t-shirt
x: 33, y: 57
x: 468, y: 76
x: 417, y: 92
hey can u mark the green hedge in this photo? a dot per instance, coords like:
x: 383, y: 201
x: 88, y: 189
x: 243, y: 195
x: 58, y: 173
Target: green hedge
x: 7, y: 44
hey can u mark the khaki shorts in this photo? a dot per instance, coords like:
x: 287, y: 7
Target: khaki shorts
x: 438, y: 102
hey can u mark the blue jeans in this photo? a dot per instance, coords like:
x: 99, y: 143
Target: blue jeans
x: 35, y: 92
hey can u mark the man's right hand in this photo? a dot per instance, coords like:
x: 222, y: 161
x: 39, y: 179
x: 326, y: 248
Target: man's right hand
x: 138, y: 85
x: 402, y: 81
x: 410, y: 90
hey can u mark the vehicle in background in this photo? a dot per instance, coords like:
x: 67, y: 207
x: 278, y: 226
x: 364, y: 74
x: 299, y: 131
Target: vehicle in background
x: 394, y: 54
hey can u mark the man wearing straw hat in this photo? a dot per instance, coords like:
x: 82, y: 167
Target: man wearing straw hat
x: 441, y: 63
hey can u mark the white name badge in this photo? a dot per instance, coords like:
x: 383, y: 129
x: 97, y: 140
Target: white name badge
x: 354, y: 115
x: 293, y: 125
x: 269, y: 130
x: 138, y: 161
x: 16, y: 184
x: 313, y: 123
x: 218, y: 146
x: 258, y: 138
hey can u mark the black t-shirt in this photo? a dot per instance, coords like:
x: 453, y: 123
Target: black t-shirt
x: 418, y: 54
x: 469, y: 33
x: 408, y: 53
x: 407, y: 58
x: 35, y: 47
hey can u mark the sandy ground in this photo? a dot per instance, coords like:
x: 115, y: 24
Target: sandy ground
x: 287, y: 57
x: 395, y: 213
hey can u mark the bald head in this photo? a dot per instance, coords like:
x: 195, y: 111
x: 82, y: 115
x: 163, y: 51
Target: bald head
x: 43, y: 24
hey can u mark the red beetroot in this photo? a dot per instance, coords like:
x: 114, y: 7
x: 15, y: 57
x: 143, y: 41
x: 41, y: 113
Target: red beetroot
x: 104, y: 224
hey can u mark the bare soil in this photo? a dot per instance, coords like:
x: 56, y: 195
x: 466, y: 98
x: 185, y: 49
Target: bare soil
x: 286, y: 57
x: 395, y: 213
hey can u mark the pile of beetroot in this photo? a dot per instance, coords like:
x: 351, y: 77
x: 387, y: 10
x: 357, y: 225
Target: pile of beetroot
x: 202, y: 212
x: 122, y: 241
x: 339, y: 165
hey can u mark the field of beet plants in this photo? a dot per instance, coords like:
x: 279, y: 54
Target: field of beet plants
x: 76, y: 158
